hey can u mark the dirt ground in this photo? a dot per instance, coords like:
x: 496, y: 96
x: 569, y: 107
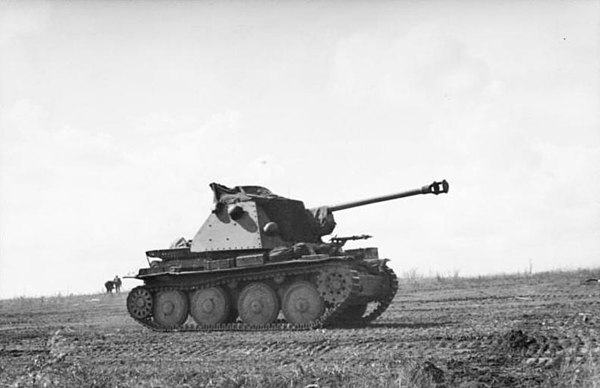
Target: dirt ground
x: 504, y: 331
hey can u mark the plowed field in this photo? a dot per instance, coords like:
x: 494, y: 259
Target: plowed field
x: 540, y: 330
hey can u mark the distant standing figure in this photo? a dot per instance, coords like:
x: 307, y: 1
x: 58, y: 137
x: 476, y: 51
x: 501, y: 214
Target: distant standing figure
x: 118, y: 283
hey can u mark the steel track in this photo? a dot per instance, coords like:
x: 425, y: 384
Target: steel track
x: 330, y: 318
x: 382, y: 304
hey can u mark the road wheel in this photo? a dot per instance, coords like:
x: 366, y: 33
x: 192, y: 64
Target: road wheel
x: 170, y: 308
x: 210, y: 306
x: 139, y: 303
x: 302, y: 303
x: 258, y: 304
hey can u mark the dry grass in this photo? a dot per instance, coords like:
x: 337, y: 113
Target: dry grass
x: 441, y: 331
x: 54, y: 368
x: 414, y: 278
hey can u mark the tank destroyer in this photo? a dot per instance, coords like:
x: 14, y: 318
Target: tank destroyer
x: 259, y: 262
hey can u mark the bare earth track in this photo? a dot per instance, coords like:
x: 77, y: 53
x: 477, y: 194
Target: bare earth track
x: 541, y: 330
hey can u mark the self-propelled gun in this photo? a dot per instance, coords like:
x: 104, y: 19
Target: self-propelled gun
x: 259, y: 262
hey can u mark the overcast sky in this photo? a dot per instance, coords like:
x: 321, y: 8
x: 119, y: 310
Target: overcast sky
x: 115, y: 117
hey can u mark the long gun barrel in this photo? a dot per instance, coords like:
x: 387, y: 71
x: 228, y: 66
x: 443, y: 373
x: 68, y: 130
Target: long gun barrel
x: 434, y: 188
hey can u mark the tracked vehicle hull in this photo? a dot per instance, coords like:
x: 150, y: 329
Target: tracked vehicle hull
x: 291, y: 295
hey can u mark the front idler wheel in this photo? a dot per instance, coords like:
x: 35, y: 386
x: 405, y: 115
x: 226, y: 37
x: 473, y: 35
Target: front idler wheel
x: 170, y: 308
x: 335, y: 284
